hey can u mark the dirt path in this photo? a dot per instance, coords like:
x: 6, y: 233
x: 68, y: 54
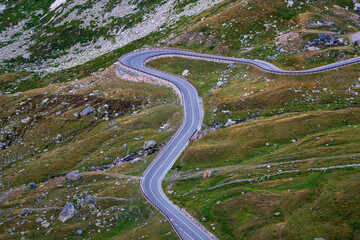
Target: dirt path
x: 196, y: 174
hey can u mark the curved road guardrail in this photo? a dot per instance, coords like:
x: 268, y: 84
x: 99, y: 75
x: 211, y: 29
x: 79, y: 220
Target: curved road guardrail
x: 135, y: 61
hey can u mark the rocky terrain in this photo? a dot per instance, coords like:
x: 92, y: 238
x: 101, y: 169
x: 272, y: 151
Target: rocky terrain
x: 51, y: 36
x: 75, y: 138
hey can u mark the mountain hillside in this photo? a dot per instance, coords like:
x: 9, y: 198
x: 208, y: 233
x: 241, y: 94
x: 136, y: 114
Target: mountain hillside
x: 277, y: 156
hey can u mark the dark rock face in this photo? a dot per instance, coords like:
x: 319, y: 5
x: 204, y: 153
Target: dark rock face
x: 32, y: 185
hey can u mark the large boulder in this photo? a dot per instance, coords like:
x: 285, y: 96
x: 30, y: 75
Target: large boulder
x: 73, y: 176
x: 87, y: 111
x: 149, y: 144
x: 67, y: 212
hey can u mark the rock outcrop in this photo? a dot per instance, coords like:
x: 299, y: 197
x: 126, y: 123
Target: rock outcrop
x: 87, y: 111
x: 67, y: 212
x: 149, y: 144
x: 73, y: 176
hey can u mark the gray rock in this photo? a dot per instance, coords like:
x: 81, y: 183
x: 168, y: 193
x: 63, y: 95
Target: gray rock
x: 45, y: 224
x: 67, y: 212
x: 2, y: 7
x: 89, y: 198
x: 73, y: 176
x: 26, y: 56
x: 149, y: 144
x: 357, y: 7
x: 230, y: 123
x: 79, y: 232
x: 76, y: 114
x: 136, y: 160
x: 87, y: 111
x: 185, y: 73
x: 25, y: 120
x: 165, y: 127
x: 32, y: 185
x: 290, y: 3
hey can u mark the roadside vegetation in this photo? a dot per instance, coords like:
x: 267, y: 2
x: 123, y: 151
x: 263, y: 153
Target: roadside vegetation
x: 308, y: 205
x: 274, y: 124
x: 109, y: 205
x: 97, y: 125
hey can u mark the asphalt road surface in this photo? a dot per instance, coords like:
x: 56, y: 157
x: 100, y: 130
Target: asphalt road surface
x: 155, y: 173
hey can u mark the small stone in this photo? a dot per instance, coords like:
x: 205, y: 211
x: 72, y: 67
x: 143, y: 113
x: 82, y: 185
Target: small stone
x: 76, y: 114
x: 25, y: 120
x: 185, y: 73
x: 26, y: 56
x: 136, y: 160
x: 73, y: 176
x: 149, y: 144
x: 277, y: 214
x: 87, y: 111
x: 229, y: 123
x: 32, y: 185
x: 79, y: 232
x: 357, y: 7
x: 165, y: 127
x: 45, y: 224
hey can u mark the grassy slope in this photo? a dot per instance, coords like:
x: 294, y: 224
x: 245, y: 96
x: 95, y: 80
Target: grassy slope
x: 288, y: 206
x: 319, y: 111
x: 250, y: 31
x: 38, y: 142
x: 35, y: 152
x: 321, y: 105
x: 271, y: 96
x: 119, y: 219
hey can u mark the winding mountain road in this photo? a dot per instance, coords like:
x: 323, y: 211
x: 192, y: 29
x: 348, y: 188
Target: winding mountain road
x: 155, y: 173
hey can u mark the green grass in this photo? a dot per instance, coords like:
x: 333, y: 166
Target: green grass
x: 248, y: 91
x: 49, y: 145
x: 315, y: 204
x: 119, y: 220
x: 271, y: 138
